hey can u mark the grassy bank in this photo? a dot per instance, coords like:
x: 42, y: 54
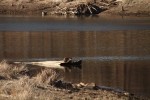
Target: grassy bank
x: 22, y: 82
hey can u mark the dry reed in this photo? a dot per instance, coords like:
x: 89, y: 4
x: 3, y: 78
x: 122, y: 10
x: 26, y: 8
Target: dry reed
x: 23, y: 87
x: 47, y: 76
x: 11, y: 71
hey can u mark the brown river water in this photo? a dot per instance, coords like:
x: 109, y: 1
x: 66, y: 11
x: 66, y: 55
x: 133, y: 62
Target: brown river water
x: 115, y: 53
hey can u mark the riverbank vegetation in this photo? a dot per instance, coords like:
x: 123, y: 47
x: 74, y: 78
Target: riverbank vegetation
x: 74, y: 7
x: 23, y: 82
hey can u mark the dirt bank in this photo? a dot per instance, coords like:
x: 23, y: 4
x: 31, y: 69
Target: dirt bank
x: 131, y: 7
x: 51, y: 8
x: 67, y: 7
x: 24, y: 82
x: 21, y: 7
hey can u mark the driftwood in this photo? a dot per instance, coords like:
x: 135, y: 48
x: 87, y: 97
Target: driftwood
x: 78, y: 9
x: 81, y: 8
x: 88, y: 9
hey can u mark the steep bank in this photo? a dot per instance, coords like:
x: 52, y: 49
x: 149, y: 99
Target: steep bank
x: 52, y: 7
x: 65, y: 7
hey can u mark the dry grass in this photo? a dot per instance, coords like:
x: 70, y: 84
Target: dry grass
x: 17, y: 86
x: 11, y: 71
x: 39, y: 87
x: 47, y: 76
x: 17, y: 89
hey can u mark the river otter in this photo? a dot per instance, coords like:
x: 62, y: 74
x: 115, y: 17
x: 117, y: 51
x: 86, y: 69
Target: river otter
x: 67, y: 60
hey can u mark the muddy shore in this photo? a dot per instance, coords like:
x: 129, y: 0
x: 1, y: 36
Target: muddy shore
x: 32, y: 7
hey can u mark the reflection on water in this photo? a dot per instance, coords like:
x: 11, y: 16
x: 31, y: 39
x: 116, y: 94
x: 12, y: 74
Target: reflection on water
x: 26, y: 45
x: 117, y: 59
x: 27, y: 24
x: 131, y: 76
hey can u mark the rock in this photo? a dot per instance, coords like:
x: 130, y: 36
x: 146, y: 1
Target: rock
x: 126, y: 93
x: 80, y: 85
x: 62, y: 85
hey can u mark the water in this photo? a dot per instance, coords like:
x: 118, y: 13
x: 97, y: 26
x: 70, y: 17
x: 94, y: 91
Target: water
x: 72, y: 24
x: 115, y: 52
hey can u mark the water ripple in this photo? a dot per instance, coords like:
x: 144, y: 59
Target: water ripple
x: 114, y: 58
x: 96, y: 58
